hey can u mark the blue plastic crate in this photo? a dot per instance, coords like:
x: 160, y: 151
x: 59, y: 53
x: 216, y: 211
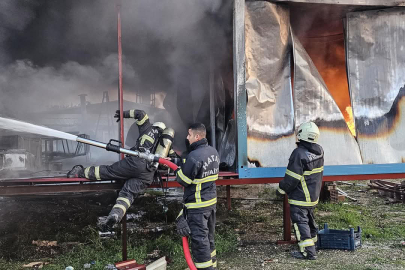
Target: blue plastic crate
x: 339, y: 239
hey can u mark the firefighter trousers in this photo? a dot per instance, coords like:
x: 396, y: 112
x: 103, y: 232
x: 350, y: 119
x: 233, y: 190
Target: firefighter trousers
x: 305, y: 228
x: 202, y: 227
x: 136, y: 173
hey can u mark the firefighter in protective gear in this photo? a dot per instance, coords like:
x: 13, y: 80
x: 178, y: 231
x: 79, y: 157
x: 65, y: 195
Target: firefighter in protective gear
x: 302, y: 183
x: 197, y: 174
x: 137, y: 172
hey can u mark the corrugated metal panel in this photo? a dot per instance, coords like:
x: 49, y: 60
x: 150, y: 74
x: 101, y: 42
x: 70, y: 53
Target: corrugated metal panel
x: 376, y: 65
x: 270, y: 116
x: 313, y: 102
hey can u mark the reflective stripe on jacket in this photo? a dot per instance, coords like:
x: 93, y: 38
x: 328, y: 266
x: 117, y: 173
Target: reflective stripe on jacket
x: 148, y: 134
x: 198, y: 175
x: 303, y: 178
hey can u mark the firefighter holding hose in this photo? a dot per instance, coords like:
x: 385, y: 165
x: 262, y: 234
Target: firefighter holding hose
x: 302, y: 183
x: 197, y: 175
x: 136, y: 172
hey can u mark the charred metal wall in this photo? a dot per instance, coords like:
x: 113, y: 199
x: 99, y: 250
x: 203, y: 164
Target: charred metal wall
x: 274, y: 109
x: 269, y: 112
x: 313, y: 102
x: 375, y: 42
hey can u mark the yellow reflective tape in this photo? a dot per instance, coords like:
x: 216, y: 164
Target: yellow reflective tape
x: 297, y: 232
x: 280, y: 191
x: 86, y: 172
x: 201, y: 204
x: 183, y: 177
x: 148, y: 138
x: 203, y: 264
x: 293, y: 174
x: 141, y: 122
x: 214, y: 253
x: 305, y: 189
x: 206, y: 179
x: 181, y: 213
x: 315, y: 239
x: 214, y: 264
x: 198, y: 193
x: 132, y: 113
x: 120, y: 206
x: 301, y: 203
x: 184, y: 160
x: 124, y: 200
x: 97, y: 172
x: 306, y: 243
x: 316, y: 170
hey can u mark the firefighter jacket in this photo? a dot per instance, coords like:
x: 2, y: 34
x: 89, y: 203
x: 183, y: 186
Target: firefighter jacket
x: 303, y: 177
x: 148, y: 134
x: 198, y: 175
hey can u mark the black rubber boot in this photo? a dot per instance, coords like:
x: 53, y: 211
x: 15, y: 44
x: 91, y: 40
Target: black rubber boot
x: 76, y: 172
x: 109, y: 223
x: 300, y: 255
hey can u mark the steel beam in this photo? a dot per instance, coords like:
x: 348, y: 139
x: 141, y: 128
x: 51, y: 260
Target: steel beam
x: 239, y: 81
x: 390, y: 3
x: 49, y: 189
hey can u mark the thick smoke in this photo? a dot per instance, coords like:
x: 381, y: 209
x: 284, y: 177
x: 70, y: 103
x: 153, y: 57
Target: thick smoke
x: 52, y: 51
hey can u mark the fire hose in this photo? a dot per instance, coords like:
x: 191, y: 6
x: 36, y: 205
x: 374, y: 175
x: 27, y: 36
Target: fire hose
x: 151, y: 158
x: 186, y: 249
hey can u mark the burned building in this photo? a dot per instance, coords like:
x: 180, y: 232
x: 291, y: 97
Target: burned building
x: 337, y: 63
x: 251, y: 71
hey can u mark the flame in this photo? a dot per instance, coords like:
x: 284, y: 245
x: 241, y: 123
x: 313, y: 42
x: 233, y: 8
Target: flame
x: 350, y: 120
x: 330, y: 59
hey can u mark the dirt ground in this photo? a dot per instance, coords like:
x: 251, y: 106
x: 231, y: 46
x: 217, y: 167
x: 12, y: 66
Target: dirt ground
x: 261, y: 227
x: 257, y: 224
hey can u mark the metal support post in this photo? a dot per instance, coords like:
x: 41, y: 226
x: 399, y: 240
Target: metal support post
x: 228, y: 197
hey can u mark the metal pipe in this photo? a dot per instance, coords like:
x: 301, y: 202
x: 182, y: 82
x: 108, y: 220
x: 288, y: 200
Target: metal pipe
x: 117, y: 149
x: 286, y: 219
x: 91, y: 142
x: 212, y: 104
x: 121, y: 126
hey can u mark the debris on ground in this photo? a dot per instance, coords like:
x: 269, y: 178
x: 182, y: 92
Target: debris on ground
x: 34, y: 265
x: 160, y: 264
x: 394, y: 191
x: 130, y: 265
x: 41, y: 243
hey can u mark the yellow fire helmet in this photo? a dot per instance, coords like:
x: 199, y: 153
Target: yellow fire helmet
x: 159, y: 125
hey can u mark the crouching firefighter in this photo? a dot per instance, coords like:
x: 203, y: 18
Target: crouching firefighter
x: 136, y: 172
x: 302, y: 183
x: 197, y: 174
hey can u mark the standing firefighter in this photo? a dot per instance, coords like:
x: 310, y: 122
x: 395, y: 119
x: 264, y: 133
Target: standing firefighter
x: 197, y: 175
x: 137, y: 172
x: 302, y: 183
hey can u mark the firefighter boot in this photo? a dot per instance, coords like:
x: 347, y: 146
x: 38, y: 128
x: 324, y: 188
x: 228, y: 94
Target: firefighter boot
x: 110, y: 222
x: 76, y: 172
x: 302, y: 256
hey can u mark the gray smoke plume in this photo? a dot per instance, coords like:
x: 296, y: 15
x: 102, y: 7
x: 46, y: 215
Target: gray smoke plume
x: 52, y: 51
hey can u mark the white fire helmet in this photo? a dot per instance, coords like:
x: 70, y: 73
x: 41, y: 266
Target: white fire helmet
x: 160, y: 125
x: 308, y: 132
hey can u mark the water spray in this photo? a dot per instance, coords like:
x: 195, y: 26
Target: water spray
x: 112, y: 145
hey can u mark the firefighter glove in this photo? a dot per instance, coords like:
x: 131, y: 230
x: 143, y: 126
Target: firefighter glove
x: 125, y: 114
x: 182, y: 226
x: 279, y: 194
